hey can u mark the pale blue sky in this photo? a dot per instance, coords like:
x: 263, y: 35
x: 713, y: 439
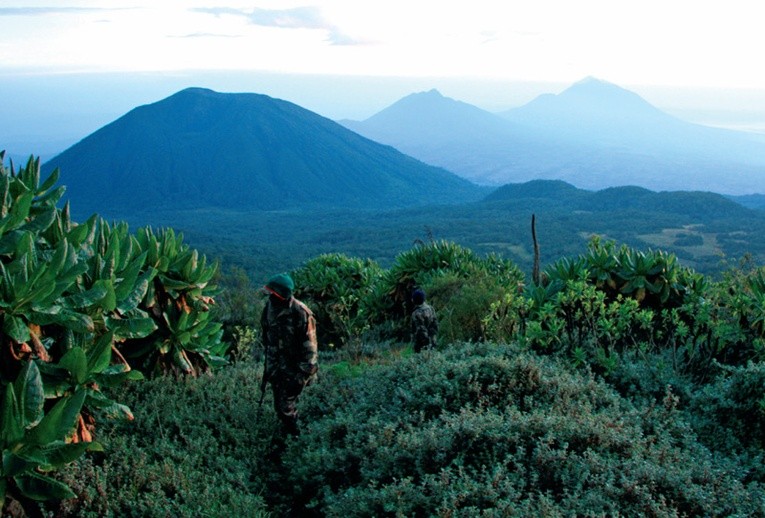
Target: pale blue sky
x: 76, y: 65
x: 674, y: 43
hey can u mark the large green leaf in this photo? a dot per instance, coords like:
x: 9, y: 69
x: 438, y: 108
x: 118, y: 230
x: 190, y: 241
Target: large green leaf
x: 127, y: 277
x: 10, y: 240
x: 115, y: 375
x: 75, y: 361
x: 88, y: 298
x: 14, y: 464
x: 42, y: 488
x: 53, y: 196
x: 7, y: 291
x: 61, y: 453
x: 109, y: 302
x: 51, y: 180
x: 16, y: 328
x: 57, y: 261
x: 216, y: 361
x: 25, y: 248
x: 30, y: 395
x: 118, y: 411
x: 60, y: 421
x: 29, y: 176
x: 45, y: 315
x: 41, y: 221
x: 78, y: 234
x: 175, y: 284
x: 190, y: 265
x: 77, y: 322
x: 109, y: 407
x: 36, y: 291
x: 100, y: 356
x: 19, y: 211
x: 137, y: 293
x: 184, y: 338
x: 11, y: 429
x: 127, y: 328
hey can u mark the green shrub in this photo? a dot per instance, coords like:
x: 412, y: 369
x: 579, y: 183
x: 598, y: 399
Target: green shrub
x: 490, y: 429
x: 643, y: 377
x: 730, y: 412
x: 463, y: 303
x: 460, y: 284
x: 506, y: 320
x: 338, y: 290
x: 197, y: 447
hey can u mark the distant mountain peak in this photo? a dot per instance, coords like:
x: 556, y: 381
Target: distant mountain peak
x: 593, y: 100
x: 603, y: 90
x: 197, y: 90
x: 201, y: 148
x: 589, y: 80
x: 194, y: 91
x: 431, y: 96
x: 428, y: 105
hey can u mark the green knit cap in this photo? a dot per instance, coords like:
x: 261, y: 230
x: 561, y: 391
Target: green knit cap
x: 281, y: 284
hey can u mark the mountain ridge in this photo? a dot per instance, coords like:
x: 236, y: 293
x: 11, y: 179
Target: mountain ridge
x: 594, y: 135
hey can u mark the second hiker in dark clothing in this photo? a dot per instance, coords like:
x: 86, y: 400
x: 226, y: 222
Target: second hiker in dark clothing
x: 424, y: 323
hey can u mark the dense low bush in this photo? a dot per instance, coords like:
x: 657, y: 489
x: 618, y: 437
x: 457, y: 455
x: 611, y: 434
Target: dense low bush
x: 480, y: 429
x: 491, y: 429
x: 730, y: 412
x: 197, y: 447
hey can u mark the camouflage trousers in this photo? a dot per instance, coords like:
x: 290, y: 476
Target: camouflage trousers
x: 287, y: 389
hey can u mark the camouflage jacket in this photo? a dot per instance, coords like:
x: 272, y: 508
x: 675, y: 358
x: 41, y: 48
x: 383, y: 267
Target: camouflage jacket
x: 289, y: 338
x: 424, y: 326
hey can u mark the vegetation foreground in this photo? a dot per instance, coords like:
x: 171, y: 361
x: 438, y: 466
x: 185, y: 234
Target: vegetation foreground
x: 478, y: 430
x: 616, y: 383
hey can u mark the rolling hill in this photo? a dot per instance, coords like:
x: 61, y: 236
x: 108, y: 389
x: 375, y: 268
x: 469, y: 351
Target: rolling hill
x: 703, y: 229
x: 701, y: 207
x: 593, y: 135
x: 199, y: 148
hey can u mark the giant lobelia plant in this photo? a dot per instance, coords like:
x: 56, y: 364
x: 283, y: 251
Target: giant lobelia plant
x: 41, y: 306
x: 82, y: 305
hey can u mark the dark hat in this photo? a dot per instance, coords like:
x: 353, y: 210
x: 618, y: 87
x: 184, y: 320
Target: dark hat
x: 281, y: 285
x: 418, y: 296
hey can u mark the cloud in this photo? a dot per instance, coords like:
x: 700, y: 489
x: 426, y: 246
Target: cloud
x: 307, y: 17
x: 218, y: 11
x: 206, y: 35
x: 41, y: 11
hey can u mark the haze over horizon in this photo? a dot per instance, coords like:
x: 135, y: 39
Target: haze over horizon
x: 66, y: 71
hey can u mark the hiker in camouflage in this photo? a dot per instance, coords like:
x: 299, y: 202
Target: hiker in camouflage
x: 424, y: 323
x: 289, y: 338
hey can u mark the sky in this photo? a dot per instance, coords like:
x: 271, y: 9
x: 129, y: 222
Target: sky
x: 67, y: 67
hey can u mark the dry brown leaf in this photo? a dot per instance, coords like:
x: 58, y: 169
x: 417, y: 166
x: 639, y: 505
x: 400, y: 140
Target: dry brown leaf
x: 39, y: 348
